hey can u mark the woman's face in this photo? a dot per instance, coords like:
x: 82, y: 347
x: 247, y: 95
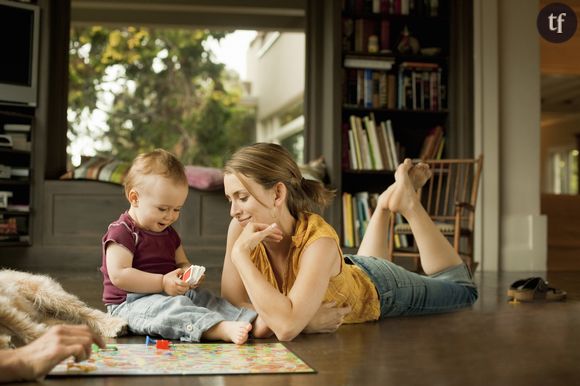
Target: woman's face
x: 257, y: 206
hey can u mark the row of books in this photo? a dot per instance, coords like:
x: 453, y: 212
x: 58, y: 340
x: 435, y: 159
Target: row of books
x: 371, y: 146
x: 369, y: 88
x: 432, y: 147
x: 369, y: 82
x: 357, y: 209
x: 420, y: 86
x: 393, y: 7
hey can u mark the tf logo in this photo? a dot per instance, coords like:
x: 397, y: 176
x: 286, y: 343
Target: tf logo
x: 556, y: 22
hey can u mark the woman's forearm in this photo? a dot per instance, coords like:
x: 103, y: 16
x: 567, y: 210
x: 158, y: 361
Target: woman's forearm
x: 275, y: 308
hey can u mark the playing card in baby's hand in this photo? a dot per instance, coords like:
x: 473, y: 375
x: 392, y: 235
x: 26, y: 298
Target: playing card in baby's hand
x: 193, y: 274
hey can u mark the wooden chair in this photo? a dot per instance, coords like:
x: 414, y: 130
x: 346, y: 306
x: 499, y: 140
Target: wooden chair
x: 449, y: 196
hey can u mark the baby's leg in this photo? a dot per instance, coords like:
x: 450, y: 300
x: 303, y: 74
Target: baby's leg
x: 374, y: 242
x: 236, y: 332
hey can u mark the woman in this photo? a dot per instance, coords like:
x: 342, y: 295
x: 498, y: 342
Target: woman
x: 285, y: 261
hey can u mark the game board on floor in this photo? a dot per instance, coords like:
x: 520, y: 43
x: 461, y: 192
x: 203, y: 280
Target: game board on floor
x: 187, y: 359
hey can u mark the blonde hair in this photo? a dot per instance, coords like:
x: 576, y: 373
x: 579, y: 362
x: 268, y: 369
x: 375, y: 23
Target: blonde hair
x: 268, y: 164
x: 157, y: 162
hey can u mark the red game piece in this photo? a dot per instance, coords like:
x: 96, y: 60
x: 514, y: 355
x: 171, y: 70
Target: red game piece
x: 162, y: 344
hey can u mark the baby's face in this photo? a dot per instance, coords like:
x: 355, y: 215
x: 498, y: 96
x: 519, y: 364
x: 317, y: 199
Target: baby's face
x: 159, y: 203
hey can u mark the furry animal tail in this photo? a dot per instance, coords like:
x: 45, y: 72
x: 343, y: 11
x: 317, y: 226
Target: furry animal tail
x: 30, y: 303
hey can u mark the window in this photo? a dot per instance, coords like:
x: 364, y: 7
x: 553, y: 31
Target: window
x: 563, y: 171
x: 276, y: 71
x: 133, y: 89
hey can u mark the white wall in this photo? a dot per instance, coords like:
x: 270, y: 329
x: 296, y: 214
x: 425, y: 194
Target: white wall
x: 508, y: 113
x: 277, y: 77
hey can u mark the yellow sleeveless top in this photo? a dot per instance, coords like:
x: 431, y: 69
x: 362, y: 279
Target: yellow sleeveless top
x: 350, y: 287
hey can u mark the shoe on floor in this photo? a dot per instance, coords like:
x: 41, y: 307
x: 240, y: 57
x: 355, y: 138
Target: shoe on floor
x: 519, y: 284
x: 535, y: 289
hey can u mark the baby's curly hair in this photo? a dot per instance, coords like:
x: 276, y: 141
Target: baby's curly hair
x: 157, y: 162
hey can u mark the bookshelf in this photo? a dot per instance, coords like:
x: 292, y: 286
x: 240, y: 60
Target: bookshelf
x: 16, y: 132
x: 395, y: 70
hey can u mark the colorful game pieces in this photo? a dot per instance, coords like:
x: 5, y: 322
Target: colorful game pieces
x: 109, y: 347
x: 162, y: 344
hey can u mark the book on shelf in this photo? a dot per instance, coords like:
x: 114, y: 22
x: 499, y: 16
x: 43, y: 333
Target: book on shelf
x: 383, y: 149
x: 432, y: 147
x: 393, y: 151
x: 357, y: 209
x: 16, y: 127
x: 371, y: 146
x: 18, y: 208
x: 355, y: 221
x: 347, y: 225
x: 376, y: 160
x: 365, y: 62
x: 400, y: 240
x: 358, y: 162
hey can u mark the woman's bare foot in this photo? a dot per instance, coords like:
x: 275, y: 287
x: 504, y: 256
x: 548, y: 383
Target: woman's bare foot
x: 228, y: 331
x: 419, y: 174
x: 402, y: 198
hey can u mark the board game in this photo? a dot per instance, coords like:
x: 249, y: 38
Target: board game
x: 187, y: 359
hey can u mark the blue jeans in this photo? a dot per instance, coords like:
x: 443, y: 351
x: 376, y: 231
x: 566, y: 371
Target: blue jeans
x: 184, y: 317
x: 402, y: 292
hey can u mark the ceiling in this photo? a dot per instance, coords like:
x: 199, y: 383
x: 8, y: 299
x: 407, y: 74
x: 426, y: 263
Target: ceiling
x: 280, y: 15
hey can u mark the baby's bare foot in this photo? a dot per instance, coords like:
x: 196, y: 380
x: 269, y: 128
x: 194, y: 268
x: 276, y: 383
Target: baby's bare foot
x: 228, y: 331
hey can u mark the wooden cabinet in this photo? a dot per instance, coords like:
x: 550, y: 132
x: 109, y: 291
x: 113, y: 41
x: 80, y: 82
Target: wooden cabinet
x: 16, y: 162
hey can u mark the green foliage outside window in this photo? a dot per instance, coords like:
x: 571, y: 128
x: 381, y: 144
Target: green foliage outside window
x: 156, y: 88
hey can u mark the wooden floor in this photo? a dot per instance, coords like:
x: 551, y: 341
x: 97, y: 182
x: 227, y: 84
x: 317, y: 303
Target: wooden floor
x: 494, y: 343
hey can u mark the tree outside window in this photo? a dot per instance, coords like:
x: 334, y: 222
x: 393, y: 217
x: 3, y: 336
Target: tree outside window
x: 134, y: 89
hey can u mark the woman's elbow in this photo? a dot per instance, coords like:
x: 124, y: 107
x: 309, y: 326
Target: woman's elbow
x: 287, y: 333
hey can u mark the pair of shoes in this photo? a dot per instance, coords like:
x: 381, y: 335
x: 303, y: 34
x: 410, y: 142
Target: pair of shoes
x: 534, y: 288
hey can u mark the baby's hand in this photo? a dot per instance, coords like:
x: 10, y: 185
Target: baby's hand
x: 198, y: 282
x: 173, y: 285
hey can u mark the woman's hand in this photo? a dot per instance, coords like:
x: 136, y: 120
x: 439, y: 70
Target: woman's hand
x: 328, y: 318
x: 172, y: 283
x: 254, y: 233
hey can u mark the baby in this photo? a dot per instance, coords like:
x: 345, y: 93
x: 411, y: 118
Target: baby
x: 143, y: 261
